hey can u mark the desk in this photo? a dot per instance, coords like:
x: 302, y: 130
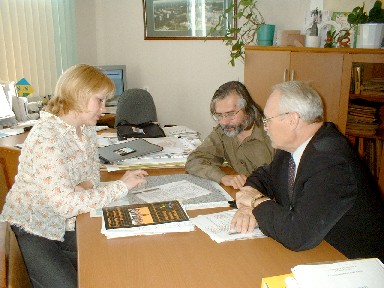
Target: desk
x: 11, y: 141
x: 189, y: 259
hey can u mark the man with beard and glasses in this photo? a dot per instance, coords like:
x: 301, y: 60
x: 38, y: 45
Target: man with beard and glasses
x: 239, y: 138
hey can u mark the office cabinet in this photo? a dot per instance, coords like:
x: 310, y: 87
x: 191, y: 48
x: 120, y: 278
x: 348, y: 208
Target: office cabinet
x: 264, y: 68
x: 330, y: 72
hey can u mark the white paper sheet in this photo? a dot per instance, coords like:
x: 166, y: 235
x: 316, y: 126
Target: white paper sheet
x: 217, y: 226
x: 367, y: 273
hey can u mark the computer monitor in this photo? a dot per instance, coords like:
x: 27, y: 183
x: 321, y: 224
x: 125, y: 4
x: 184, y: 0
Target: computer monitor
x: 117, y: 73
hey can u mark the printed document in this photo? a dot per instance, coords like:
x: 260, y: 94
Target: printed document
x: 367, y: 273
x: 180, y: 190
x: 217, y: 226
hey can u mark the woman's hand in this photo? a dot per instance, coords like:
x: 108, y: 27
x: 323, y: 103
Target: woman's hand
x: 85, y: 185
x: 134, y: 178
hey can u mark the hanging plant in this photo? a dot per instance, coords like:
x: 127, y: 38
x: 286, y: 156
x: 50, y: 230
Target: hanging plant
x: 248, y: 18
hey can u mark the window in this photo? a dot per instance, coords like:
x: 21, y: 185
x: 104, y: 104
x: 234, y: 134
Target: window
x: 37, y: 41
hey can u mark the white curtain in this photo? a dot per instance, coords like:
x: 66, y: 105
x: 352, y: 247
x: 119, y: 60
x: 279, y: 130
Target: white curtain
x: 37, y: 41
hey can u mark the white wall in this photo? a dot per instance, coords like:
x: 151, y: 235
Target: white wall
x: 182, y: 75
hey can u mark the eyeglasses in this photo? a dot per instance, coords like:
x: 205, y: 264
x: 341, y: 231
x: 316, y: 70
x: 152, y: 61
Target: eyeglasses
x: 266, y: 120
x: 229, y: 115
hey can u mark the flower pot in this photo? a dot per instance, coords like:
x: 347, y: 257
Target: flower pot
x: 265, y: 35
x: 370, y: 35
x: 312, y: 41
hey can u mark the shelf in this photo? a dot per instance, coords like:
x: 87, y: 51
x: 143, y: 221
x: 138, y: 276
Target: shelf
x: 378, y: 98
x: 379, y: 137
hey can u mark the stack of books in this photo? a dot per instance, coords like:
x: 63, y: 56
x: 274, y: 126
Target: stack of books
x: 362, y: 120
x: 373, y: 89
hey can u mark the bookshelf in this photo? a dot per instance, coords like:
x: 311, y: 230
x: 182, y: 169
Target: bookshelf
x: 365, y: 119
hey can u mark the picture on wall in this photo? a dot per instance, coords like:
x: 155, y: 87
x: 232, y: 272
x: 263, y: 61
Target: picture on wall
x: 186, y: 19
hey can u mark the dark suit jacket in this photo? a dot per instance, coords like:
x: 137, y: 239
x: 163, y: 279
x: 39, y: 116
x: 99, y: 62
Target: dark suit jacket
x: 334, y: 198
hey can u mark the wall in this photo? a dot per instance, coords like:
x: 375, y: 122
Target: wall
x: 182, y: 75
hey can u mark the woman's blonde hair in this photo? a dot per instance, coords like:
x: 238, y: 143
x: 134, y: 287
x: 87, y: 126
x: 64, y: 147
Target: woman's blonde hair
x: 76, y: 86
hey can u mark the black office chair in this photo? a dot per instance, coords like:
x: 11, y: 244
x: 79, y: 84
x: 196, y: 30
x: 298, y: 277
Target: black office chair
x: 135, y: 106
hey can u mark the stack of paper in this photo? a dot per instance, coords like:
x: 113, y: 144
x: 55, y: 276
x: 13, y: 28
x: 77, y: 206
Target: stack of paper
x: 145, y: 219
x: 179, y: 142
x: 180, y: 131
x: 217, y: 226
x: 367, y: 273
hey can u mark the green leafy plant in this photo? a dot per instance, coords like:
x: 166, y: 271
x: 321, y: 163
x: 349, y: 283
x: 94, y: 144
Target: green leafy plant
x: 248, y: 18
x: 359, y: 16
x: 356, y: 17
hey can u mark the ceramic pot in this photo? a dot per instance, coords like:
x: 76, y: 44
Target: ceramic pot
x: 370, y: 35
x: 265, y: 35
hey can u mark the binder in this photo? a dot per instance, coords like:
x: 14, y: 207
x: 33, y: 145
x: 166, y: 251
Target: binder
x: 126, y: 150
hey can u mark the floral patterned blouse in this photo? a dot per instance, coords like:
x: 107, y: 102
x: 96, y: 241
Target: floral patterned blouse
x: 43, y: 200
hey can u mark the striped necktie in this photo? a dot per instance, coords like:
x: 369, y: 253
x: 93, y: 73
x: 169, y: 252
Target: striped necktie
x: 291, y: 176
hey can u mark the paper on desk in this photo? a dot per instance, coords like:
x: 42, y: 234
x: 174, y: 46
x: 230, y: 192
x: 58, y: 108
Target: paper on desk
x: 178, y: 130
x: 367, y: 273
x: 11, y: 132
x: 183, y: 226
x: 194, y: 197
x: 182, y: 190
x: 217, y: 226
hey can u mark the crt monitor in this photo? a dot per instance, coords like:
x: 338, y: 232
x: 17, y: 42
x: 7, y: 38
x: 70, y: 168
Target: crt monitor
x: 117, y: 73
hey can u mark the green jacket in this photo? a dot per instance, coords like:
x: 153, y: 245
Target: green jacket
x: 217, y: 148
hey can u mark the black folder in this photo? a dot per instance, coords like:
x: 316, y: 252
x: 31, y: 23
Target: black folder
x: 126, y: 150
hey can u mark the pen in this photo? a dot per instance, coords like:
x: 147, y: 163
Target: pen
x: 232, y: 204
x: 146, y: 190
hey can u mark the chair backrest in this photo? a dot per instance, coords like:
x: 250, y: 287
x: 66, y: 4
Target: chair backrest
x: 135, y: 106
x: 13, y: 272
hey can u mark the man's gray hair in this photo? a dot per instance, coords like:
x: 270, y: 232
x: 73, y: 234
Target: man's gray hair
x: 300, y: 97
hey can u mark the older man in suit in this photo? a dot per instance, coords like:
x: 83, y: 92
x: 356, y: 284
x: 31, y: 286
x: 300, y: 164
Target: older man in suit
x: 316, y: 187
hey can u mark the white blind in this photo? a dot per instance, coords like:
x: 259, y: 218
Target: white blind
x: 37, y: 41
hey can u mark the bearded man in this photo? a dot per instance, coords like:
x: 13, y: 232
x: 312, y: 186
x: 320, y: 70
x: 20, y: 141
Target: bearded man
x: 238, y: 140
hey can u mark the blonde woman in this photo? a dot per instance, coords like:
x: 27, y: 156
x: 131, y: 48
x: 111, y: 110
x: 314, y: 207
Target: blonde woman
x: 59, y: 177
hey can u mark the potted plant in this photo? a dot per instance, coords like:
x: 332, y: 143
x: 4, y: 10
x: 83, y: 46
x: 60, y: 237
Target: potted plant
x: 249, y: 20
x: 370, y: 27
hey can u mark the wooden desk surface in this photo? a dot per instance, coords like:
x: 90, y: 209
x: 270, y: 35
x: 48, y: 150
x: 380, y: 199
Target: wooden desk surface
x: 189, y: 259
x: 11, y: 141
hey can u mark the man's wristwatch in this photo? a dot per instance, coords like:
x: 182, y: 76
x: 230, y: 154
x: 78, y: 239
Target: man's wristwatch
x: 257, y: 197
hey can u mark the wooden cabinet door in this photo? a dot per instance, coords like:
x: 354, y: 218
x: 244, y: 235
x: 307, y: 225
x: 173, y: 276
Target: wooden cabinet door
x: 324, y: 72
x: 263, y: 69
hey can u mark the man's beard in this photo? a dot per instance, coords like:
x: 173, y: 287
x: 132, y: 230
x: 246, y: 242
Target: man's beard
x: 237, y: 129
